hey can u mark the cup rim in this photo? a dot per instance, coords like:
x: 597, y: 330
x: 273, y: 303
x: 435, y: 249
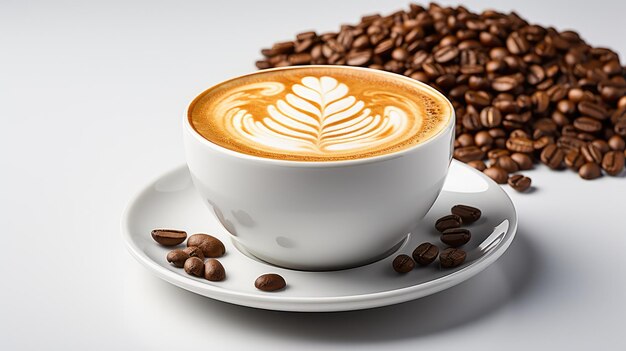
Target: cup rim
x: 321, y: 164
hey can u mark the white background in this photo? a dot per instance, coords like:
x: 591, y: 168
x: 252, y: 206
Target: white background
x: 91, y: 101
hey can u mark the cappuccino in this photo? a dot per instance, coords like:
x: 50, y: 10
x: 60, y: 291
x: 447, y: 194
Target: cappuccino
x: 319, y: 113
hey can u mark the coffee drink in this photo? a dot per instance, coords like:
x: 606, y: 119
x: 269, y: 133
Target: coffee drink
x: 319, y: 113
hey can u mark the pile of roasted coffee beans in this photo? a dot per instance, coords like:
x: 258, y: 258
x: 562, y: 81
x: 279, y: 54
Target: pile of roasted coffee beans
x: 199, y: 248
x: 452, y: 235
x: 522, y: 92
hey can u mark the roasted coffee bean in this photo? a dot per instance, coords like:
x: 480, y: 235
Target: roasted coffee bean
x: 455, y: 237
x: 496, y: 173
x: 452, y: 257
x: 517, y: 44
x: 448, y: 222
x: 613, y: 162
x: 214, y: 271
x: 469, y: 153
x: 359, y: 58
x: 478, y: 164
x: 425, y: 254
x: 504, y: 83
x: 524, y: 162
x: 588, y: 125
x: 573, y: 159
x: 471, y: 121
x: 569, y: 143
x: 210, y: 245
x: 519, y: 182
x: 270, y: 282
x: 591, y: 153
x: 467, y: 213
x: 194, y: 266
x: 601, y: 145
x: 593, y: 110
x: 620, y: 127
x: 542, y: 142
x: 590, y: 170
x: 520, y: 144
x: 490, y: 117
x: 494, y: 154
x: 446, y: 54
x: 552, y: 156
x: 169, y: 237
x: 403, y: 264
x: 177, y: 257
x: 194, y: 251
x: 507, y: 163
x: 617, y: 143
x: 465, y: 140
x: 483, y: 138
x: 477, y: 98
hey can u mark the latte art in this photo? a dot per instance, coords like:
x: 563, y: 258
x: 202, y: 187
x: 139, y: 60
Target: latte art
x: 317, y: 114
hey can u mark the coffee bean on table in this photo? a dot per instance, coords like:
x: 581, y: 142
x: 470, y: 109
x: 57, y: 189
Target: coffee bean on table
x: 591, y: 153
x: 403, y: 264
x: 507, y: 163
x: 194, y: 251
x: 425, y: 254
x: 177, y: 257
x: 169, y: 237
x: 213, y: 270
x: 524, y: 162
x: 270, y: 282
x: 519, y: 182
x: 573, y: 159
x: 452, y: 257
x: 456, y: 237
x: 496, y: 173
x: 210, y: 245
x: 552, y: 156
x: 613, y: 162
x: 590, y: 170
x: 447, y: 222
x: 467, y: 213
x: 194, y: 266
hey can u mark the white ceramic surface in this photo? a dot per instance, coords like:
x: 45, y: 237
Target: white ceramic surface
x: 170, y: 201
x: 321, y: 215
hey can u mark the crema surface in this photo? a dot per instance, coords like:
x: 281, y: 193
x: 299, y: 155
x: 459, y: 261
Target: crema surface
x: 318, y: 114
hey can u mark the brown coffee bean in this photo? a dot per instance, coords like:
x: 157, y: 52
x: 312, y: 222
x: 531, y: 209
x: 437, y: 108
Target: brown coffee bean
x: 569, y: 143
x: 590, y: 170
x: 542, y: 142
x: 490, y: 117
x: 613, y: 162
x: 524, y: 162
x: 403, y: 264
x: 588, y: 125
x: 467, y: 213
x: 214, y: 271
x: 601, y: 145
x: 519, y: 182
x: 593, y: 110
x: 194, y: 266
x: 359, y: 58
x: 270, y: 282
x: 177, y: 257
x: 447, y: 222
x: 552, y: 156
x: 455, y: 237
x: 517, y: 44
x: 446, y: 54
x: 507, y: 163
x: 471, y: 121
x: 496, y: 173
x: 477, y: 164
x: 283, y: 48
x: 617, y: 143
x: 477, y: 98
x: 210, y: 245
x: 573, y: 159
x: 469, y: 153
x: 425, y: 254
x: 591, y: 153
x: 535, y: 75
x: 263, y: 64
x: 494, y: 154
x: 194, y: 251
x: 620, y: 127
x: 483, y: 138
x: 169, y: 237
x: 520, y: 144
x: 452, y: 257
x: 504, y: 83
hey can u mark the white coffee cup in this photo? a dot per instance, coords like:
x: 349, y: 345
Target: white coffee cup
x: 320, y: 215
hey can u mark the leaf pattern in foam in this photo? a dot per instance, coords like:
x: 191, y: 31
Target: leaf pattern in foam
x: 318, y: 115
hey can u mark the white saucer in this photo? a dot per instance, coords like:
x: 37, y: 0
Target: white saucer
x: 171, y: 202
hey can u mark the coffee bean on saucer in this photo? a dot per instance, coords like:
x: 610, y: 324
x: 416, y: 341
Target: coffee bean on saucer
x: 194, y: 251
x: 194, y: 266
x: 456, y: 237
x: 425, y: 254
x: 590, y: 170
x: 270, y: 282
x: 177, y: 257
x: 169, y: 237
x: 210, y: 245
x: 498, y: 174
x: 214, y: 271
x: 447, y: 222
x: 452, y: 257
x: 467, y: 213
x: 403, y: 264
x: 519, y: 182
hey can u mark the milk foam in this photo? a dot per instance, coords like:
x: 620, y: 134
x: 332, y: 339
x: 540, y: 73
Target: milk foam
x: 317, y: 114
